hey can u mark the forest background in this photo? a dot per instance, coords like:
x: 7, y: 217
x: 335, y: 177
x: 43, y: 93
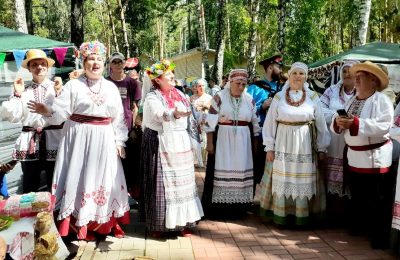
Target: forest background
x: 301, y: 30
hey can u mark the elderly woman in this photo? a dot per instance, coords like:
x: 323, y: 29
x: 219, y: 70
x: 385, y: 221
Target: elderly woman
x: 334, y: 98
x: 228, y: 187
x: 89, y: 180
x: 295, y: 137
x: 170, y: 201
x: 36, y: 147
x: 369, y: 154
x: 201, y: 102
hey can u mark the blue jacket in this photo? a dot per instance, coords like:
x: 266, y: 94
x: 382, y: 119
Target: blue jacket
x: 260, y: 91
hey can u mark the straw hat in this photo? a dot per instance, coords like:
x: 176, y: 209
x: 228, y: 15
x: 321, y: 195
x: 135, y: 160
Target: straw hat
x: 374, y: 70
x: 36, y: 54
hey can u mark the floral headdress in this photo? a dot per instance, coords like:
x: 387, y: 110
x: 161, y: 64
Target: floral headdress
x: 94, y: 47
x: 159, y: 68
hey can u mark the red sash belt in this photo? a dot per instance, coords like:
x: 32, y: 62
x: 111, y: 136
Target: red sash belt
x: 93, y: 120
x: 368, y: 146
x: 235, y: 123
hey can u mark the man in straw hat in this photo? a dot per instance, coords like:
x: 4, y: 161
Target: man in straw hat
x: 369, y: 153
x: 262, y: 92
x: 36, y: 151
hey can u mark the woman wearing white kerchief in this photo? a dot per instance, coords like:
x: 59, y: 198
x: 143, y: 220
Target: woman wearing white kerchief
x: 334, y: 98
x: 293, y: 133
x: 228, y: 186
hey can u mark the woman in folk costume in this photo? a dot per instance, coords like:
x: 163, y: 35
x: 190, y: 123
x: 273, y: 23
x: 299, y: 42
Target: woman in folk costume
x: 201, y: 102
x: 228, y: 187
x: 334, y: 98
x: 89, y: 181
x: 295, y: 137
x: 36, y: 147
x: 169, y: 194
x: 369, y: 153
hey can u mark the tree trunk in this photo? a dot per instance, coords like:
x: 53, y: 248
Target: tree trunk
x: 281, y: 25
x: 29, y: 16
x: 364, y: 12
x: 219, y: 57
x: 228, y: 30
x: 111, y: 22
x: 124, y: 31
x: 77, y: 35
x: 19, y: 16
x: 252, y: 53
x: 203, y: 38
x: 160, y: 34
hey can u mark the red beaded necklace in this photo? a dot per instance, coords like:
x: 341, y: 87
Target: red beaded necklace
x: 290, y: 101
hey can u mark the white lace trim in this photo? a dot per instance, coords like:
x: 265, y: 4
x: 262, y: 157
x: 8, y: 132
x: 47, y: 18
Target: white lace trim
x: 222, y: 195
x: 293, y: 190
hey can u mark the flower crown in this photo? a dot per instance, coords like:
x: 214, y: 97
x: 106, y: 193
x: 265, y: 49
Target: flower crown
x: 94, y: 47
x: 159, y: 68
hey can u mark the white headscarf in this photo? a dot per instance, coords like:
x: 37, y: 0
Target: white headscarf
x: 301, y: 66
x: 349, y: 64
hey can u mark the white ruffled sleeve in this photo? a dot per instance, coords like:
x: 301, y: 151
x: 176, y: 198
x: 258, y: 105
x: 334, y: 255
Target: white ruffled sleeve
x: 323, y: 135
x: 12, y: 110
x: 325, y: 102
x: 62, y: 106
x: 395, y: 129
x: 270, y: 125
x: 118, y: 120
x: 254, y: 119
x: 211, y: 120
x: 154, y: 110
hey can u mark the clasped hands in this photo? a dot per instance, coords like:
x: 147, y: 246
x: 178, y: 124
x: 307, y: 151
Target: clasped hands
x: 344, y: 122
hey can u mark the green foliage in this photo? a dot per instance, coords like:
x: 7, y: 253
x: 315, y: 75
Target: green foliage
x: 7, y: 13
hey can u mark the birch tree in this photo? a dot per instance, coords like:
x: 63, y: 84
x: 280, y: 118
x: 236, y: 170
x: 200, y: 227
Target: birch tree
x: 252, y: 53
x: 365, y: 10
x: 203, y: 38
x: 112, y: 25
x: 19, y: 16
x: 218, y: 67
x: 281, y: 25
x: 124, y: 31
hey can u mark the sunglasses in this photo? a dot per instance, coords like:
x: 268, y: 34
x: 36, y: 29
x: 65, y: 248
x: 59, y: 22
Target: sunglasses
x: 117, y: 62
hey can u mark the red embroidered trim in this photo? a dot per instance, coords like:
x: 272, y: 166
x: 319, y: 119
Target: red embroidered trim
x: 355, y: 127
x: 369, y: 170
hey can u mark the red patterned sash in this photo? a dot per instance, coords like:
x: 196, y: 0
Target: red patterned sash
x: 93, y: 120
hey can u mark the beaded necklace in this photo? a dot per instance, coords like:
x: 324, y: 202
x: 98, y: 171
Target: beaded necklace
x: 96, y: 97
x: 290, y: 101
x: 235, y: 103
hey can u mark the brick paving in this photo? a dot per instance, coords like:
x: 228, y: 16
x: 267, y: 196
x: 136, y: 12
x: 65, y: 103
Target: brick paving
x: 246, y: 238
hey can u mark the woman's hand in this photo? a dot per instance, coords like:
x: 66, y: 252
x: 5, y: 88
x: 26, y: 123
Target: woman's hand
x: 75, y: 74
x: 344, y: 122
x: 210, y: 148
x: 19, y: 86
x: 267, y: 103
x: 39, y: 108
x: 121, y: 151
x: 224, y: 119
x: 57, y: 85
x: 178, y: 114
x: 270, y: 156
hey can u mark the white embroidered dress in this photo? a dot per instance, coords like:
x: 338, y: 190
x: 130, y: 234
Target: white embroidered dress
x: 15, y: 110
x: 395, y: 134
x: 182, y: 203
x: 233, y: 175
x: 335, y: 98
x: 88, y: 177
x: 294, y: 168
